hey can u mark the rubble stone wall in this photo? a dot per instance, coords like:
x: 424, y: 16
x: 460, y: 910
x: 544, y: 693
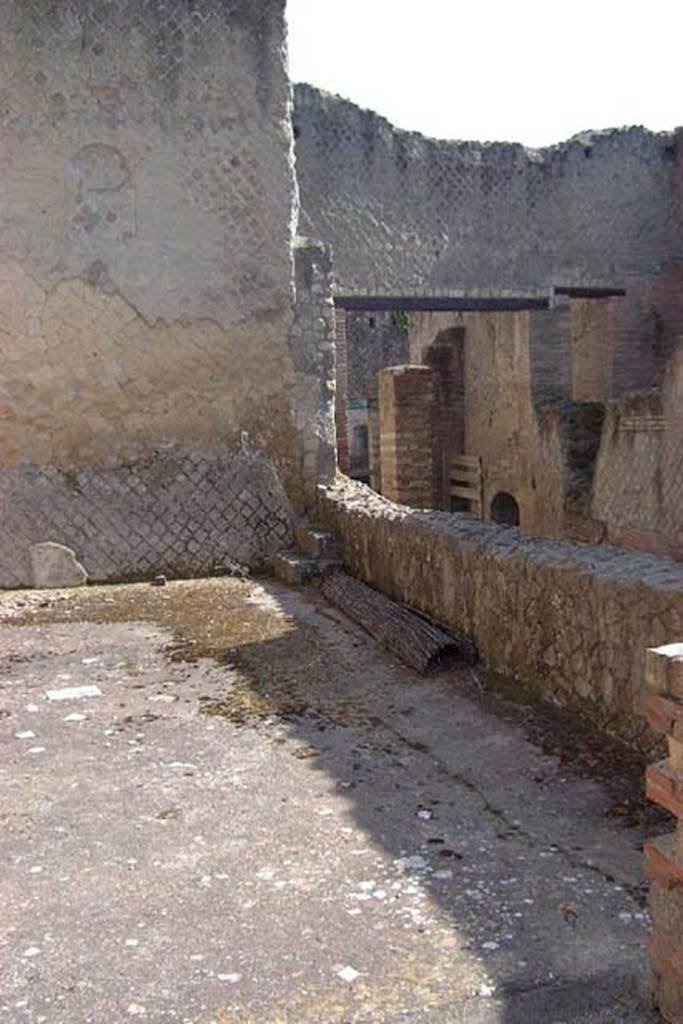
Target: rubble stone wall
x: 572, y: 620
x: 147, y: 202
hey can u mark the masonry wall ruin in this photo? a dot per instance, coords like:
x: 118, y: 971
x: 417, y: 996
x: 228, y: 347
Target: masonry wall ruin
x: 572, y: 622
x: 146, y: 284
x: 412, y: 216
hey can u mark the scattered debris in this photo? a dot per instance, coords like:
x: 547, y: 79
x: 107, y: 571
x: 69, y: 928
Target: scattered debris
x: 348, y: 974
x: 158, y: 581
x: 74, y: 693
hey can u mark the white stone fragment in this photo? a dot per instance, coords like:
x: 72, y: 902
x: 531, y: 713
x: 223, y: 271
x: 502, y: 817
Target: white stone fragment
x: 25, y: 735
x: 135, y: 1010
x: 55, y: 565
x: 74, y: 693
x: 31, y: 951
x: 231, y: 978
x: 75, y: 717
x: 36, y: 750
x: 490, y: 945
x: 32, y: 708
x: 348, y: 974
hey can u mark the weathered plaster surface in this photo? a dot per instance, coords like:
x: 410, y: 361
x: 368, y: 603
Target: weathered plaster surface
x: 147, y: 202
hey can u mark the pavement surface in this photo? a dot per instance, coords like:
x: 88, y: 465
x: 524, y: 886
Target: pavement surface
x: 254, y: 814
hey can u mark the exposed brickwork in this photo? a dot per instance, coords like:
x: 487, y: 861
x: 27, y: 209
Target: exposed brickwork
x: 664, y: 857
x: 406, y: 430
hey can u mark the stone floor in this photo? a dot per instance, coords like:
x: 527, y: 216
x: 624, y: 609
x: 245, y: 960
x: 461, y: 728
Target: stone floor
x: 256, y: 815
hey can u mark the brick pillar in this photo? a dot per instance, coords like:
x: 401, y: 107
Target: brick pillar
x: 664, y: 856
x: 373, y: 446
x: 406, y: 426
x: 342, y: 392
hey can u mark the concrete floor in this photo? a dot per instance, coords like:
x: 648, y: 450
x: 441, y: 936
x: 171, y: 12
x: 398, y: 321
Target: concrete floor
x: 262, y: 817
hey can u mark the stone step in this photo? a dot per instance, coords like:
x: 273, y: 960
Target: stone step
x: 316, y: 542
x: 295, y: 569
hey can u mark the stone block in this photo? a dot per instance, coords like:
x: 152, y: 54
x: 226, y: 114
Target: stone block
x: 664, y: 670
x: 665, y: 715
x: 664, y: 786
x: 54, y: 565
x: 667, y: 979
x: 675, y: 753
x: 316, y: 543
x: 666, y: 907
x: 663, y: 863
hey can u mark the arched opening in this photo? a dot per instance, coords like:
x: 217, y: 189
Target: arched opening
x: 504, y: 509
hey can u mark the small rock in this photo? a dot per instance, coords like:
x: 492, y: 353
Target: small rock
x: 74, y: 693
x: 348, y: 974
x: 158, y: 581
x: 55, y: 565
x: 26, y: 735
x: 75, y: 717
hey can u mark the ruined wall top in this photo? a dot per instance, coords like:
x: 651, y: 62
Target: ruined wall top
x: 415, y: 216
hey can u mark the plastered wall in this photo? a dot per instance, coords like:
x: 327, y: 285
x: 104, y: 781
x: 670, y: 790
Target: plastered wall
x: 147, y: 202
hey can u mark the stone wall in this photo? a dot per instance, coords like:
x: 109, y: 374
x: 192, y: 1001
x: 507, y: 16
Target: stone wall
x: 638, y: 485
x: 374, y: 340
x: 412, y: 216
x: 147, y: 200
x: 573, y: 621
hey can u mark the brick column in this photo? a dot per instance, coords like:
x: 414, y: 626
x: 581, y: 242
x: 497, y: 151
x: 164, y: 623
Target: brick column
x: 664, y: 856
x: 406, y: 427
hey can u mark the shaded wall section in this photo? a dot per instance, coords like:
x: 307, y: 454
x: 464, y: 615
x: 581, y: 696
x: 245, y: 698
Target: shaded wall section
x: 147, y: 200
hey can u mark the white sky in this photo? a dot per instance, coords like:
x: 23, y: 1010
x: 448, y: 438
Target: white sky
x: 530, y: 71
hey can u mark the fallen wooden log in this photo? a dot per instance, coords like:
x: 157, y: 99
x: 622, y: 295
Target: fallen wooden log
x: 412, y: 636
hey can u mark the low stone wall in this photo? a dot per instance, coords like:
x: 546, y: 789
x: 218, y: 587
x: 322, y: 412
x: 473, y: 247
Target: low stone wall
x: 572, y: 620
